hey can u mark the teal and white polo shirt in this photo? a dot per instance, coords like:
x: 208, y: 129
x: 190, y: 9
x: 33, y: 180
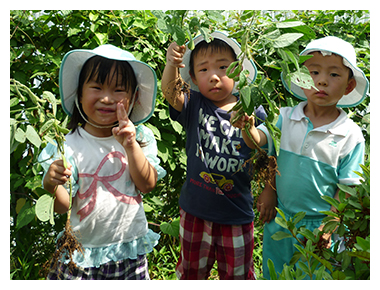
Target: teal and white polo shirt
x: 313, y: 160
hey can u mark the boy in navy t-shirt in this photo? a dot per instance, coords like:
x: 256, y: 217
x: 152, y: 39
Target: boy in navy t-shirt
x: 216, y: 200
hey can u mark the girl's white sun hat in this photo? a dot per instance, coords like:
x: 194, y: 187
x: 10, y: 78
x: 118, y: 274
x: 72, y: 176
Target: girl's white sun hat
x: 334, y: 45
x: 73, y: 62
x: 247, y: 64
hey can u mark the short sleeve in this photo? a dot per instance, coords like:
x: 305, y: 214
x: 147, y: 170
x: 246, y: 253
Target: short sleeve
x: 149, y: 147
x: 350, y: 163
x: 49, y: 154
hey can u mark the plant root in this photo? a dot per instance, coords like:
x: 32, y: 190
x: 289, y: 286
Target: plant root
x: 263, y: 168
x: 180, y: 86
x: 67, y: 244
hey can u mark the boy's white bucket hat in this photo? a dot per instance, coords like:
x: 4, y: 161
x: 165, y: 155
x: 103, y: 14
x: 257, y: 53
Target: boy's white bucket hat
x: 332, y: 44
x: 73, y: 62
x: 247, y: 64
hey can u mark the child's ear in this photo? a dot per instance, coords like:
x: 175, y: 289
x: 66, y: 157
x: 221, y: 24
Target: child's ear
x: 350, y: 86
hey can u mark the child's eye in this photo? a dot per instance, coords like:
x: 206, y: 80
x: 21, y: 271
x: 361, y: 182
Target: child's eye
x: 314, y: 72
x: 334, y: 75
x: 224, y: 67
x: 203, y: 69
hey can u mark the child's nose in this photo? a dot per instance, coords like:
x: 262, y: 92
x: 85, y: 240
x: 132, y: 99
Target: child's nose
x: 107, y: 99
x: 322, y: 80
x: 214, y: 77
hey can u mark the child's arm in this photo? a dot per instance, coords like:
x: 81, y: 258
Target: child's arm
x: 56, y: 176
x: 258, y: 136
x: 327, y: 236
x: 143, y: 174
x: 174, y: 57
x: 267, y: 200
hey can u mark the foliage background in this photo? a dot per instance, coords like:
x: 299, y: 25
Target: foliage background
x: 38, y: 42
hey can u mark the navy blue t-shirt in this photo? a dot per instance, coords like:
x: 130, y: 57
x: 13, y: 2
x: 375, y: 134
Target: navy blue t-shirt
x: 217, y: 186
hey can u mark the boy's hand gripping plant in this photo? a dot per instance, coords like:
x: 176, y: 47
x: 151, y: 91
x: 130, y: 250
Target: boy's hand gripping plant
x: 175, y: 27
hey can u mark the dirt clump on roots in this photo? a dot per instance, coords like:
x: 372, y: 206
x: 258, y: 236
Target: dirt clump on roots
x: 176, y: 87
x: 264, y: 169
x: 67, y: 244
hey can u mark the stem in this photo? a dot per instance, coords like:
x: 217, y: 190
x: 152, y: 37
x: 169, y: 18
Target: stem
x: 246, y: 130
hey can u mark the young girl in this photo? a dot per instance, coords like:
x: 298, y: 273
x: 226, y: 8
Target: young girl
x: 107, y: 92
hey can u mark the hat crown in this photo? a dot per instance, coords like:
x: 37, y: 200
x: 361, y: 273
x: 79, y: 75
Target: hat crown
x: 113, y: 52
x: 334, y: 45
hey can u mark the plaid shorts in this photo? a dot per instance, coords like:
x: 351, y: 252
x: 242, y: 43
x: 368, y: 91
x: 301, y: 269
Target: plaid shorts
x: 127, y: 269
x: 203, y: 242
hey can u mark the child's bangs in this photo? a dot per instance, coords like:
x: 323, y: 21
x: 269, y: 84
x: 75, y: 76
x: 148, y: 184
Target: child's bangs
x: 102, y: 70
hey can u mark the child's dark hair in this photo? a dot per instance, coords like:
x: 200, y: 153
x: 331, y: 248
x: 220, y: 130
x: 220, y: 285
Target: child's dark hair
x: 99, y: 68
x: 215, y: 45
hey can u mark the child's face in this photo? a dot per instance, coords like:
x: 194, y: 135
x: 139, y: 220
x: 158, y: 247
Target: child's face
x: 210, y: 76
x: 331, y: 77
x: 99, y: 101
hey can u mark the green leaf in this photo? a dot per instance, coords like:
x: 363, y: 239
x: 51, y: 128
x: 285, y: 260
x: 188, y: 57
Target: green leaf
x: 350, y: 190
x: 171, y: 228
x: 147, y: 207
x: 101, y: 38
x: 298, y: 217
x: 303, y: 267
x: 349, y: 214
x: 26, y: 215
x: 46, y: 126
x: 272, y: 270
x: 20, y: 135
x: 281, y: 222
x: 338, y: 275
x: 281, y: 213
x: 363, y: 244
x: 308, y: 234
x: 32, y: 136
x: 51, y: 99
x: 245, y: 93
x: 331, y: 201
x: 365, y: 256
x: 280, y: 235
x: 287, y: 24
x: 286, y: 39
x: 43, y: 207
x: 179, y: 35
x: 303, y: 79
x: 322, y: 261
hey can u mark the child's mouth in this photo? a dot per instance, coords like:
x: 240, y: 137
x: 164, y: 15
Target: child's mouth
x: 106, y: 110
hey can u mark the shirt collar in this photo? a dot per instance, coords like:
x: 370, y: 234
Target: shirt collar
x: 338, y: 127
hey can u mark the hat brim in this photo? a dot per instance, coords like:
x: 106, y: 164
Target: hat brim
x: 73, y: 62
x: 247, y: 64
x: 362, y: 84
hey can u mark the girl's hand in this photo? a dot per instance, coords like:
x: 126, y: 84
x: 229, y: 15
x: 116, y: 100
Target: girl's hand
x: 56, y: 175
x: 174, y: 55
x: 125, y: 133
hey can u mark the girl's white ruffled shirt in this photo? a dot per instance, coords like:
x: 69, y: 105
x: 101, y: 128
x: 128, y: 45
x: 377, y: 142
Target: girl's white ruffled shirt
x: 107, y: 214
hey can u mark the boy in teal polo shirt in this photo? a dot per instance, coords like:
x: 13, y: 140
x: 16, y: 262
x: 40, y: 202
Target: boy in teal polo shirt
x: 320, y: 145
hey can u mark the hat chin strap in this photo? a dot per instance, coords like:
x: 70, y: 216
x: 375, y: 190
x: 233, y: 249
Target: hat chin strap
x: 107, y: 126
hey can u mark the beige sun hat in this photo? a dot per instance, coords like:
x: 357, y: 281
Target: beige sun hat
x: 71, y: 67
x: 247, y: 64
x: 328, y: 45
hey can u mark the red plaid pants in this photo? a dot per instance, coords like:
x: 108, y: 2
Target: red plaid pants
x: 203, y: 242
